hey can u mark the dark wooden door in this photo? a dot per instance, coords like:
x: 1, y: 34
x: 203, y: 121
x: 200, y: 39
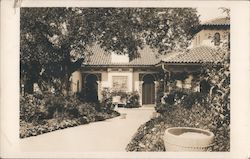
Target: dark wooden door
x: 148, y: 90
x: 91, y: 88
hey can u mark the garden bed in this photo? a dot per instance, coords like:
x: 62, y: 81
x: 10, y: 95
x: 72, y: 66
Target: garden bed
x: 149, y: 136
x: 31, y: 129
x: 42, y: 114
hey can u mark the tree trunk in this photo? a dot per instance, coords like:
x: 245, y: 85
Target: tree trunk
x: 70, y: 67
x: 28, y: 87
x: 66, y: 83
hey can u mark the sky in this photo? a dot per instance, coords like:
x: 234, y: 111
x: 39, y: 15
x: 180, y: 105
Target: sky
x: 209, y: 13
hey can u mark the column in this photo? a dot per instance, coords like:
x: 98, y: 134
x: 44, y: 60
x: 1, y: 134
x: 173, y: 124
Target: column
x: 99, y: 90
x: 140, y: 91
x: 156, y: 90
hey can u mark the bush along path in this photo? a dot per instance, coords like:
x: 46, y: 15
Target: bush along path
x: 45, y: 113
x: 208, y: 109
x: 149, y: 136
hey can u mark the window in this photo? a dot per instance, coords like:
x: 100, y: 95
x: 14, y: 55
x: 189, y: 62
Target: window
x: 120, y: 83
x: 217, y: 39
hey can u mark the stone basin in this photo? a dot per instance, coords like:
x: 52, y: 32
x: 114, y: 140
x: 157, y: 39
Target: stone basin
x: 187, y: 139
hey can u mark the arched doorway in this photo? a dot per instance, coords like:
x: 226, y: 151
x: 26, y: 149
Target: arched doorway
x: 148, y: 89
x: 91, y: 86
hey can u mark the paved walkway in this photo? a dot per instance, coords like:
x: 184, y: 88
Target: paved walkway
x: 109, y: 135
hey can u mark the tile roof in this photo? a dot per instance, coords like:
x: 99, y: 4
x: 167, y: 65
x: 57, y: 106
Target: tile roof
x: 200, y: 54
x: 102, y: 58
x: 217, y: 22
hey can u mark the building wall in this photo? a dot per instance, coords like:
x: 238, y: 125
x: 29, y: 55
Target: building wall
x: 104, y: 82
x: 129, y: 76
x: 206, y: 37
x: 136, y: 81
x: 133, y: 83
x: 76, y: 81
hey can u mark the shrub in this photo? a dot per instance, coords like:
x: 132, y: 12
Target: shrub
x: 184, y: 97
x: 122, y: 94
x: 45, y: 113
x: 133, y: 100
x: 106, y: 103
x: 193, y: 98
x: 179, y: 94
x: 70, y: 107
x: 88, y: 111
x: 55, y: 106
x: 160, y: 108
x: 32, y: 109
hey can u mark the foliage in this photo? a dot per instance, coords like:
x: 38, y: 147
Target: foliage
x: 107, y: 99
x: 44, y: 113
x: 133, y: 100
x: 149, y: 136
x: 183, y: 97
x: 192, y: 99
x: 160, y: 107
x: 210, y: 110
x: 218, y: 76
x: 122, y: 94
x: 160, y: 89
x: 55, y: 41
x: 29, y: 129
x: 32, y: 109
x: 55, y: 106
x: 88, y: 111
x: 179, y: 76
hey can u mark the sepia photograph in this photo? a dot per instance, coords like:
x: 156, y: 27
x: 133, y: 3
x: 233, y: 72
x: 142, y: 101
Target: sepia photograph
x: 124, y: 79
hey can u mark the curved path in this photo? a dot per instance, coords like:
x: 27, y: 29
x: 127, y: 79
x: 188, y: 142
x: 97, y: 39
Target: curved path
x: 109, y: 135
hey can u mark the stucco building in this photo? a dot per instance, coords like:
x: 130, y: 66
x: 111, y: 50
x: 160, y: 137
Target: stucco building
x: 118, y: 73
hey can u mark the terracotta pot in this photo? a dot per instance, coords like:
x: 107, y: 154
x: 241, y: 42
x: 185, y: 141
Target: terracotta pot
x: 187, y: 139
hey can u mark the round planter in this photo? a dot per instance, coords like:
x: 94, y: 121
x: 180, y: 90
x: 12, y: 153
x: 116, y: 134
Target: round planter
x: 187, y: 139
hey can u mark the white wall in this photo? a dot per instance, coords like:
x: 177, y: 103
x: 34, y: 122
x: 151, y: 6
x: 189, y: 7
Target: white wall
x: 76, y: 76
x: 104, y: 82
x: 136, y: 81
x: 205, y: 37
x: 115, y: 58
x: 128, y: 74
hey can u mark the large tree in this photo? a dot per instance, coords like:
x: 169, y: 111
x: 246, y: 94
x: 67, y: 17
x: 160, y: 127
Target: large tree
x: 55, y: 41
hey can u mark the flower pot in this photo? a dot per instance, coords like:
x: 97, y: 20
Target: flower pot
x: 187, y: 139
